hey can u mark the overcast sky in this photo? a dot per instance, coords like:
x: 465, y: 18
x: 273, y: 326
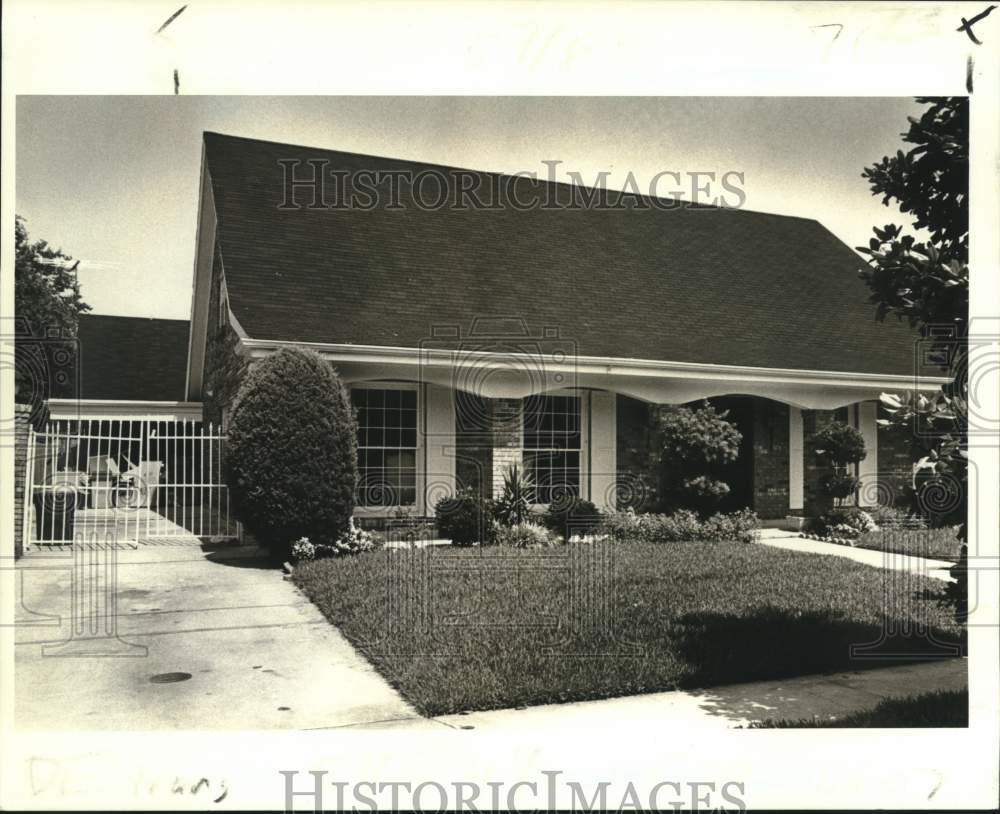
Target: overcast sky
x: 114, y: 180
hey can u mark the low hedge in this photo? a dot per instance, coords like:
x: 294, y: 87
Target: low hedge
x: 680, y: 526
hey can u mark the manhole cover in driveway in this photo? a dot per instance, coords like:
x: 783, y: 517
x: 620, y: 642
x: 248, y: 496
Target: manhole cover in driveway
x: 169, y: 678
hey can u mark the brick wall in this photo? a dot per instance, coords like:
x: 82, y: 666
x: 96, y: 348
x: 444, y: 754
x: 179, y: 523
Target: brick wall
x: 636, y: 475
x: 224, y: 367
x: 770, y: 462
x: 22, y: 421
x: 895, y: 465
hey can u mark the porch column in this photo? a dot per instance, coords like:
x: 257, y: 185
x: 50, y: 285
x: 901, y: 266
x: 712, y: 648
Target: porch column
x: 602, y: 465
x: 438, y: 462
x: 867, y: 412
x: 796, y: 469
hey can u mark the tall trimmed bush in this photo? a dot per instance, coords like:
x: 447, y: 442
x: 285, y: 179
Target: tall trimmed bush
x: 692, y: 447
x: 839, y: 446
x: 292, y: 461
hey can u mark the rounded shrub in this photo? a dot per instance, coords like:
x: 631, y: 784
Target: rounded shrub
x: 291, y: 461
x: 466, y: 518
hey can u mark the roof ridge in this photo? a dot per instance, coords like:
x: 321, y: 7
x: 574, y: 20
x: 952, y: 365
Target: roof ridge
x: 433, y: 165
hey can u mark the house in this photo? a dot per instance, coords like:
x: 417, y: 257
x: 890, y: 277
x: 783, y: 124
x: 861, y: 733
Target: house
x: 537, y: 330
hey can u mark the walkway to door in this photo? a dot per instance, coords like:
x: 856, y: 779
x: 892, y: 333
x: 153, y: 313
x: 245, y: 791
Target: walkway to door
x: 184, y: 637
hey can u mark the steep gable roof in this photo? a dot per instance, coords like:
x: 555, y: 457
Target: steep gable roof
x: 694, y: 284
x: 132, y: 358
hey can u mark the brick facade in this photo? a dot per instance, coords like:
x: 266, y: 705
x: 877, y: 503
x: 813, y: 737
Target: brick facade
x: 770, y: 459
x: 224, y: 366
x: 487, y: 441
x: 895, y: 466
x: 636, y: 475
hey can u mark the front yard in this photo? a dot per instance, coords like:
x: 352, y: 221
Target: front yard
x: 482, y: 628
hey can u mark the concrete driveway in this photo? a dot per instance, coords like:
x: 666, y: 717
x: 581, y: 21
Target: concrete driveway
x: 207, y: 638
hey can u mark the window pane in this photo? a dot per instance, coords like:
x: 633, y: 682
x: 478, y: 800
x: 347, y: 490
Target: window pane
x: 387, y: 440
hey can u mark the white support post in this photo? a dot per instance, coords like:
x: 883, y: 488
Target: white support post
x: 796, y: 461
x: 868, y: 468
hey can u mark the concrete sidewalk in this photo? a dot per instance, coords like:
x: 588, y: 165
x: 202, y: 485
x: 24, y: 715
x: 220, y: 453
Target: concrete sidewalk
x: 935, y: 569
x: 209, y: 637
x: 650, y: 716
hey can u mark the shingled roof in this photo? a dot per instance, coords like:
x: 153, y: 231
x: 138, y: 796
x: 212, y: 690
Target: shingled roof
x: 132, y: 358
x: 704, y: 285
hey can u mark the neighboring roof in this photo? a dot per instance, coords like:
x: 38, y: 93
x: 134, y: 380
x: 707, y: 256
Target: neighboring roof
x: 132, y: 358
x: 704, y: 285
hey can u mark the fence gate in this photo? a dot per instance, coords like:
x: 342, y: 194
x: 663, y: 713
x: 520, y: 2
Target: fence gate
x: 125, y: 480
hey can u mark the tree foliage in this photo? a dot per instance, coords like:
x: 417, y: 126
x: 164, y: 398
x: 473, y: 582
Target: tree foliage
x: 927, y: 284
x: 838, y: 445
x: 691, y: 446
x: 47, y: 304
x: 291, y: 459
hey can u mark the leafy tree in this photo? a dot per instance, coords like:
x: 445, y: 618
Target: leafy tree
x: 691, y: 446
x: 926, y: 283
x: 47, y: 303
x: 291, y: 461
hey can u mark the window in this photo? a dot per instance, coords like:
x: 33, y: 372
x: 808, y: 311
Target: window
x: 552, y: 445
x: 387, y: 446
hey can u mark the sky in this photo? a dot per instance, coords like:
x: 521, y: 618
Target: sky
x: 113, y: 180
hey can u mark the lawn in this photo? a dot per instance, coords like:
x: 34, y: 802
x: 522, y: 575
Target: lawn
x: 944, y: 708
x: 482, y: 628
x: 938, y: 544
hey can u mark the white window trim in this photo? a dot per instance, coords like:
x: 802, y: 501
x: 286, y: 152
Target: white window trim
x: 412, y: 509
x: 584, y: 489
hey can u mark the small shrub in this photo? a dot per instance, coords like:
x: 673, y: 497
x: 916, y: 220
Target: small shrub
x: 843, y: 523
x: 623, y: 525
x: 568, y: 516
x: 303, y: 550
x: 524, y: 535
x: 514, y: 505
x: 740, y: 527
x: 466, y: 518
x: 354, y: 541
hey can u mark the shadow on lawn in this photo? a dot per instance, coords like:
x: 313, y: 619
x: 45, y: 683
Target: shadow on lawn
x: 240, y: 556
x: 775, y: 643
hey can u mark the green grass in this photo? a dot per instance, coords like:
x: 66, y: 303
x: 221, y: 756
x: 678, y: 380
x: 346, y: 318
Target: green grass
x: 943, y: 708
x: 938, y: 544
x: 484, y: 628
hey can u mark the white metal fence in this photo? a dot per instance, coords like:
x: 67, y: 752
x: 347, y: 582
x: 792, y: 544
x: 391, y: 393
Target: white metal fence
x: 132, y: 479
